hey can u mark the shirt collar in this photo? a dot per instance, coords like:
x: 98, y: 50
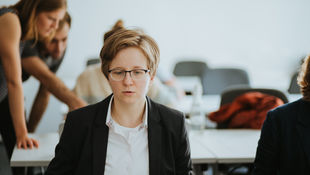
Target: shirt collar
x: 109, y: 120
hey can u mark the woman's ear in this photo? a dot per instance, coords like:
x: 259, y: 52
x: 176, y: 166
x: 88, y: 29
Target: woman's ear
x: 152, y: 78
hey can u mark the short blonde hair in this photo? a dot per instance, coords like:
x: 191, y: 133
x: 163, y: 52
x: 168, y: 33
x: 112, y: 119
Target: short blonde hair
x: 121, y: 38
x: 303, y: 78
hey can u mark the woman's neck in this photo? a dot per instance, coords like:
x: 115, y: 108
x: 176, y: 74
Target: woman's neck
x: 128, y: 115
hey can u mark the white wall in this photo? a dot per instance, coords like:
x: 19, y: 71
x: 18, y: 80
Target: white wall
x: 265, y: 37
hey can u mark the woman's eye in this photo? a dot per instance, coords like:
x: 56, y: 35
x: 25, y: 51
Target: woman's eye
x: 137, y: 72
x: 118, y: 72
x: 51, y: 18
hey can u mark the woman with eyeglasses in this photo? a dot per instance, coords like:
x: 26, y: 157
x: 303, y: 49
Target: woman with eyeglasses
x: 126, y: 133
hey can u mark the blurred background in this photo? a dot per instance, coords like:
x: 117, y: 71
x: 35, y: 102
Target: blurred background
x: 267, y: 38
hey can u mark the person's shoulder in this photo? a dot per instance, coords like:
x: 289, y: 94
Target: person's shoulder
x: 10, y: 22
x: 288, y: 107
x: 4, y: 10
x: 168, y: 110
x: 172, y: 121
x: 8, y: 17
x: 167, y: 114
x: 8, y: 13
x: 286, y: 111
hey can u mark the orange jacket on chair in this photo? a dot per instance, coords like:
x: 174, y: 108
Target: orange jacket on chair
x: 249, y: 110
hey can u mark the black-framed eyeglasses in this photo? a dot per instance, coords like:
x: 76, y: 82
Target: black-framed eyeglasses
x: 135, y: 74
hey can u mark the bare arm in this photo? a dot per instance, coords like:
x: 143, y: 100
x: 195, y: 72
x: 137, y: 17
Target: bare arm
x: 36, y: 67
x: 38, y: 108
x: 10, y: 33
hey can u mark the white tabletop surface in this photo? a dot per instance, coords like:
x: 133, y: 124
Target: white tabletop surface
x: 37, y: 156
x: 43, y: 155
x: 231, y: 145
x: 207, y: 146
x: 200, y: 153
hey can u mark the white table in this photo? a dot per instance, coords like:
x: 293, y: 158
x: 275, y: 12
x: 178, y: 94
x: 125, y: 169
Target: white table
x: 36, y: 157
x: 230, y: 145
x: 199, y: 153
x: 210, y: 146
x: 42, y: 156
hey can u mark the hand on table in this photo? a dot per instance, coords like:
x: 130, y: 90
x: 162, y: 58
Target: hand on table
x: 26, y: 142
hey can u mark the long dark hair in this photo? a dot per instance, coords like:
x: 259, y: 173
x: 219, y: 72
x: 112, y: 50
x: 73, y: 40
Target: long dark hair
x: 28, y: 11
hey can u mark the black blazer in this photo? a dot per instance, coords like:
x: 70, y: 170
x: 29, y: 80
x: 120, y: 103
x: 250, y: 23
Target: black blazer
x: 83, y: 144
x: 284, y: 145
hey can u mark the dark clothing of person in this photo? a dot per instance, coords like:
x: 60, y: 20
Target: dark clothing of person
x: 6, y: 125
x: 31, y: 50
x: 82, y: 148
x: 284, y: 145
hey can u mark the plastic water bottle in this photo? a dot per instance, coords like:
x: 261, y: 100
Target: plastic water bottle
x: 197, y: 118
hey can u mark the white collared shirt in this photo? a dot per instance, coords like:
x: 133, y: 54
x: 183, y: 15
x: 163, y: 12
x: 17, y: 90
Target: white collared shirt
x: 127, y: 150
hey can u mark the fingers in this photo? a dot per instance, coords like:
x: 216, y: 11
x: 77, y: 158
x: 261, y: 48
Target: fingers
x: 22, y: 144
x: 27, y: 143
x: 19, y: 144
x: 35, y: 143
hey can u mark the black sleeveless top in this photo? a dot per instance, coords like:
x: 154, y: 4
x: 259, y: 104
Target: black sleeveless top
x: 3, y: 85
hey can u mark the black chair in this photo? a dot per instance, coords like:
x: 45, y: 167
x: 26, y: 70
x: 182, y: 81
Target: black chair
x: 294, y: 87
x: 230, y: 94
x: 189, y: 68
x: 215, y: 81
x: 93, y: 61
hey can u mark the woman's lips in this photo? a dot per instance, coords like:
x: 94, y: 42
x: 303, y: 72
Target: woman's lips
x: 128, y: 92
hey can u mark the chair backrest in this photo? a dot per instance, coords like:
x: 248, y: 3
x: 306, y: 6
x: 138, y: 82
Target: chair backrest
x: 230, y: 94
x: 189, y: 68
x: 294, y: 87
x: 214, y: 81
x: 92, y: 61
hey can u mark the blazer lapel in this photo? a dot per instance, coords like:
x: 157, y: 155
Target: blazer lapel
x: 100, y: 138
x: 154, y: 138
x: 303, y: 127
